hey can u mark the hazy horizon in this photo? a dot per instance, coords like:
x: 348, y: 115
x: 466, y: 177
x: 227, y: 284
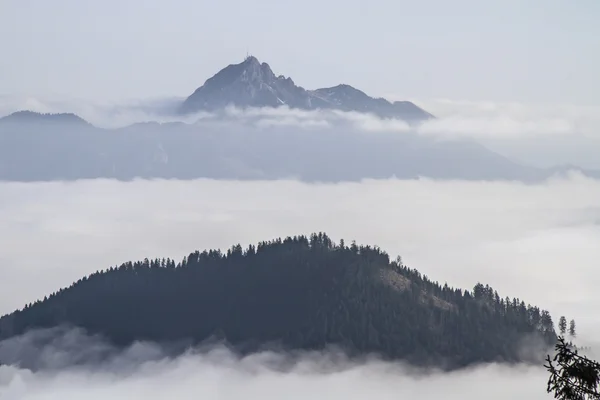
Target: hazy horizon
x: 434, y: 49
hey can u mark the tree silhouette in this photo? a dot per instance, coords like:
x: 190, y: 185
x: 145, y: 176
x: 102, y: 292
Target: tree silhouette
x: 572, y: 332
x: 562, y: 325
x: 572, y: 376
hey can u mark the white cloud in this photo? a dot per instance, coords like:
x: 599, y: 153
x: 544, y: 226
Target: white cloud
x: 501, y: 126
x: 141, y: 372
x: 454, y: 118
x: 511, y: 120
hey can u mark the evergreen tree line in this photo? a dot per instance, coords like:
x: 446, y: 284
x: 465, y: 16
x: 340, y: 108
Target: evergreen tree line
x: 301, y: 292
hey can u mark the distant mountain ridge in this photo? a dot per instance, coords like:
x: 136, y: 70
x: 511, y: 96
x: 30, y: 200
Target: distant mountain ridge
x: 49, y: 147
x: 26, y: 116
x: 253, y: 84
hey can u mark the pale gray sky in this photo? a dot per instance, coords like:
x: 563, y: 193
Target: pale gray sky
x: 531, y: 50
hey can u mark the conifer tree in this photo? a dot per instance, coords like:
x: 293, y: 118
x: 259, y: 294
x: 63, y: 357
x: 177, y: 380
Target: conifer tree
x: 572, y: 332
x: 562, y: 325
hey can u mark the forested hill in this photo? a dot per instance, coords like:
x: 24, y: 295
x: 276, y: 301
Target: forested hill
x: 297, y: 293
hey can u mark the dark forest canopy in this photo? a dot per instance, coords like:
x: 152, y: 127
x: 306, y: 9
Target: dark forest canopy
x: 300, y: 293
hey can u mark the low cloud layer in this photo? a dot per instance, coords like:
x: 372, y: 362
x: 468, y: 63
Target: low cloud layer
x: 570, y: 134
x: 540, y: 134
x: 537, y: 242
x: 454, y: 118
x: 143, y: 372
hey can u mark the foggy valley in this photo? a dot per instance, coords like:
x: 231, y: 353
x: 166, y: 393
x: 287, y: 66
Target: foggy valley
x: 302, y: 200
x: 520, y: 237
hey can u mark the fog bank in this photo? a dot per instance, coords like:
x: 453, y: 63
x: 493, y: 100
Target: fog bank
x: 215, y: 373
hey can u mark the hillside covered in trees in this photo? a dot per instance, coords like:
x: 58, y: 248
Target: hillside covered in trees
x: 296, y: 293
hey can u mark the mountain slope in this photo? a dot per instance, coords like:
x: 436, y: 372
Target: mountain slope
x: 253, y: 84
x: 300, y: 293
x: 346, y: 98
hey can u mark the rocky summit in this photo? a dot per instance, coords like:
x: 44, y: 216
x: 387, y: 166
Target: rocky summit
x: 253, y: 84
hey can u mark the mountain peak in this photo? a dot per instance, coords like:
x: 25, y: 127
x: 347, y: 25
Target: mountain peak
x: 251, y: 60
x: 247, y: 84
x: 253, y: 84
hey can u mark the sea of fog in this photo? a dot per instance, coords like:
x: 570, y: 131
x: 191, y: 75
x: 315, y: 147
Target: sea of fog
x: 539, y: 243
